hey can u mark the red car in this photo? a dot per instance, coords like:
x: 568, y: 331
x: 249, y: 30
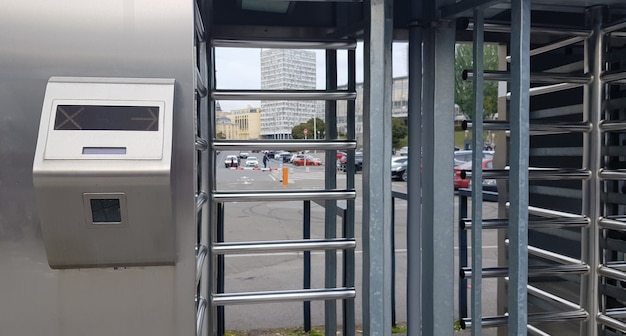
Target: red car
x: 464, y: 183
x: 300, y: 160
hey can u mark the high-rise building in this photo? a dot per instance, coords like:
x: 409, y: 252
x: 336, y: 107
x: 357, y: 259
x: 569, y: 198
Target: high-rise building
x: 286, y: 69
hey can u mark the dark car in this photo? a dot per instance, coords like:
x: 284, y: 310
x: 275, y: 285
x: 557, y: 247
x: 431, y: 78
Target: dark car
x: 398, y: 168
x: 358, y: 162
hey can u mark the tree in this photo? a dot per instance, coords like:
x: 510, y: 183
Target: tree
x: 464, y: 92
x: 398, y: 131
x: 220, y: 135
x: 297, y: 132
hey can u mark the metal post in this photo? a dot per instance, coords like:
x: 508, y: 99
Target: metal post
x: 477, y: 171
x: 221, y: 317
x: 348, y: 255
x: 306, y: 234
x: 437, y: 190
x: 393, y: 262
x: 330, y: 220
x: 590, y: 239
x: 518, y: 182
x: 376, y: 182
x: 414, y: 212
x: 462, y: 234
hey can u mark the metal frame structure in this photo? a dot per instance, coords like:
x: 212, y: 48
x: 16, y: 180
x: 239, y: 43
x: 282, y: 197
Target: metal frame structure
x: 561, y: 218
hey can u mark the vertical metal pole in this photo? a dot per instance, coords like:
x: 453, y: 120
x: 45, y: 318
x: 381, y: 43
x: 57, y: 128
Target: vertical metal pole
x: 330, y: 220
x: 462, y: 234
x: 518, y: 180
x: 437, y: 189
x: 592, y: 157
x: 414, y: 183
x: 376, y: 170
x: 349, y: 270
x: 221, y: 317
x: 306, y: 234
x: 477, y: 173
x: 393, y: 261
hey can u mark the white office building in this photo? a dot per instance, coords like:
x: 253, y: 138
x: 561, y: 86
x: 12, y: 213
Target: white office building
x: 286, y: 69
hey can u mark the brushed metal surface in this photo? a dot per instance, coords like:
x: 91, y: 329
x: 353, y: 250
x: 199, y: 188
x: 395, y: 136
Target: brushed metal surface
x: 118, y: 38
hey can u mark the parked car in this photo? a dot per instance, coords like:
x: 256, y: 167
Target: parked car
x: 341, y: 154
x: 243, y: 154
x: 231, y: 161
x: 306, y: 159
x: 463, y: 156
x: 398, y: 168
x: 464, y: 183
x: 404, y: 151
x: 283, y: 157
x: 252, y: 161
x: 358, y: 162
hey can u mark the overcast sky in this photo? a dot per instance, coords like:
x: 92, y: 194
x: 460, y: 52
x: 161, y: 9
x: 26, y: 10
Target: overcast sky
x: 240, y: 68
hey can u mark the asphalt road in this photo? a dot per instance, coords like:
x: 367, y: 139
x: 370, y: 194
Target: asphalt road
x: 247, y: 221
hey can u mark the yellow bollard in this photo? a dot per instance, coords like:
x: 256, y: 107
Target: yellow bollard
x: 285, y: 176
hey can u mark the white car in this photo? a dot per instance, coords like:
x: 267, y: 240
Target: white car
x: 231, y: 161
x: 252, y: 161
x: 404, y: 151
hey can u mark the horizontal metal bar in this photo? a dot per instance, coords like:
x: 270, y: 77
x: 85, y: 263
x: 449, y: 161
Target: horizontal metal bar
x: 554, y: 46
x: 611, y: 272
x: 555, y: 127
x: 613, y: 77
x: 541, y: 90
x: 283, y: 296
x: 288, y: 195
x: 501, y: 320
x: 200, y: 85
x: 282, y: 95
x: 533, y: 271
x: 612, y: 125
x: 616, y: 312
x: 534, y: 173
x: 201, y: 310
x: 285, y: 144
x: 500, y: 28
x: 287, y: 44
x: 201, y: 144
x: 537, y: 223
x: 535, y: 77
x: 611, y: 322
x: 612, y: 224
x: 464, y: 7
x: 552, y: 256
x: 608, y: 174
x: 614, y: 26
x: 201, y: 253
x: 548, y: 212
x: 534, y: 331
x: 201, y: 199
x: 284, y: 246
x: 549, y: 297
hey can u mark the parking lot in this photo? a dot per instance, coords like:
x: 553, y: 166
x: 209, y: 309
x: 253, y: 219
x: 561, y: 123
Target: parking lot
x: 257, y: 221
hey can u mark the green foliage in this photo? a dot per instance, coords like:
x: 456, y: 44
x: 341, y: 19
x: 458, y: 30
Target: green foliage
x: 399, y: 131
x: 400, y: 328
x: 464, y: 92
x: 220, y: 135
x: 297, y: 132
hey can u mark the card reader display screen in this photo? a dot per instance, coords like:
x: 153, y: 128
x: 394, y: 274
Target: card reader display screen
x: 107, y: 118
x: 105, y: 211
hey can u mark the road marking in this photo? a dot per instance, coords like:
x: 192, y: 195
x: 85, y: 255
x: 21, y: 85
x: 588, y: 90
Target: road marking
x: 285, y: 254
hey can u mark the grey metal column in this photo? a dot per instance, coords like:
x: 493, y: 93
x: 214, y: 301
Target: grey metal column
x: 377, y: 155
x: 477, y: 174
x: 590, y: 239
x: 437, y: 190
x: 414, y: 190
x: 518, y: 181
x: 330, y: 215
